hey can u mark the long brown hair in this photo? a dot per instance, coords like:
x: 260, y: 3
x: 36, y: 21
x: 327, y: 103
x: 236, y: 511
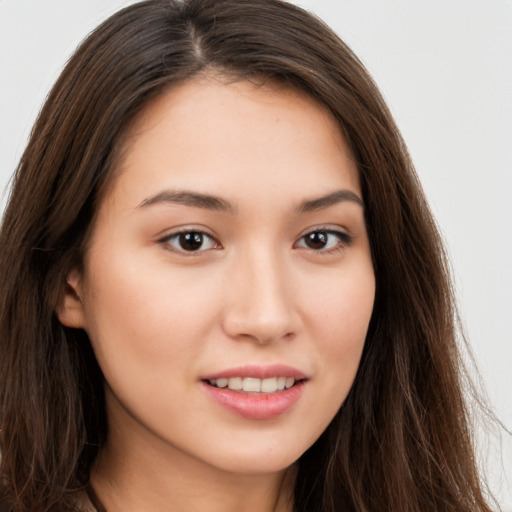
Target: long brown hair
x: 401, y: 441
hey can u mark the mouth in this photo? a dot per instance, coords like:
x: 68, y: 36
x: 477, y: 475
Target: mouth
x: 257, y: 392
x: 253, y: 385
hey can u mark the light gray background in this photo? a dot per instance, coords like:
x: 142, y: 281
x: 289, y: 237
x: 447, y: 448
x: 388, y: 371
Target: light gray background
x: 445, y: 69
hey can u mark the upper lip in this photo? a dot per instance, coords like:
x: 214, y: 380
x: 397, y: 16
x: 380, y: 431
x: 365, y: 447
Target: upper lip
x: 258, y: 372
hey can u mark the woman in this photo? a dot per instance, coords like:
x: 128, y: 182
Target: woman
x: 221, y: 285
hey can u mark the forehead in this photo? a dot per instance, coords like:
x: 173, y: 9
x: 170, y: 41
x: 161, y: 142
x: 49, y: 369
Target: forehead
x: 217, y: 135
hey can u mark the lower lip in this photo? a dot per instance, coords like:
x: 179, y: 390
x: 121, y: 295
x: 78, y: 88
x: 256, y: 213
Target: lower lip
x: 256, y: 406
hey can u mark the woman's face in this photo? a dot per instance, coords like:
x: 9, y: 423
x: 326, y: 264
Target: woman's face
x: 230, y: 251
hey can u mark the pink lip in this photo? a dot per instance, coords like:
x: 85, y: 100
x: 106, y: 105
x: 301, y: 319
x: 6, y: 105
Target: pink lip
x: 258, y: 372
x: 256, y: 406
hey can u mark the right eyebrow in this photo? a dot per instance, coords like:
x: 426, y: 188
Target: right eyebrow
x: 188, y: 198
x: 338, y: 196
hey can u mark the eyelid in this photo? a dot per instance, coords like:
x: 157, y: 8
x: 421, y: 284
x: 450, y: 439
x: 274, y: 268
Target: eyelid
x: 175, y: 233
x: 345, y: 239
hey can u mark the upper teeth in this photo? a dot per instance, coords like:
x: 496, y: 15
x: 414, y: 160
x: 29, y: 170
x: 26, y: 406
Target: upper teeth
x: 254, y: 385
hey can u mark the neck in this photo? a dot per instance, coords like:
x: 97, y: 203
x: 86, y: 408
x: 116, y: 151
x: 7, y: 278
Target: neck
x: 154, y: 476
x: 143, y: 488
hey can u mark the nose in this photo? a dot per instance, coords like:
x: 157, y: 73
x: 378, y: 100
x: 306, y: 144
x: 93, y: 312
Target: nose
x: 261, y: 305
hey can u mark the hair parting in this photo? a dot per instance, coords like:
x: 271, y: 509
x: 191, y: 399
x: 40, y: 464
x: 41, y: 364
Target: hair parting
x: 402, y: 439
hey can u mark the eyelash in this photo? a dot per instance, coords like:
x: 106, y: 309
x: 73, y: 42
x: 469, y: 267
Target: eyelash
x: 344, y: 240
x: 178, y: 234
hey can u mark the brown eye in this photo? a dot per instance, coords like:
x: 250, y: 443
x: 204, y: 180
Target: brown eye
x: 324, y: 240
x: 190, y: 241
x: 316, y: 240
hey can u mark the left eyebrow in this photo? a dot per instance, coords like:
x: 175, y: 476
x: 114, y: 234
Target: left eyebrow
x: 339, y: 196
x: 189, y: 198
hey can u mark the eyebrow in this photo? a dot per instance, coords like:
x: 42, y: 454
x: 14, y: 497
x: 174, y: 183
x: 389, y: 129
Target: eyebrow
x: 194, y: 199
x: 338, y: 196
x: 210, y: 202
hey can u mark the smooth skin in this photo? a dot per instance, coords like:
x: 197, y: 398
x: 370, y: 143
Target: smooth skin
x: 272, y: 267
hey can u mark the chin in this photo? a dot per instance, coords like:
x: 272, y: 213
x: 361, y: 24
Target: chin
x: 260, y: 458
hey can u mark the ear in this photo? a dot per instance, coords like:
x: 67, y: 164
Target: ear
x: 70, y: 309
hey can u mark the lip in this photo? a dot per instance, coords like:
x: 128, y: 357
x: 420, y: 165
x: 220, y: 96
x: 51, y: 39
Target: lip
x: 256, y: 406
x: 258, y: 372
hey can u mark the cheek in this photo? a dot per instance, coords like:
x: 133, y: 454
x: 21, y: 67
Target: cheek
x: 337, y: 322
x: 141, y: 317
x: 340, y: 316
x: 343, y: 302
